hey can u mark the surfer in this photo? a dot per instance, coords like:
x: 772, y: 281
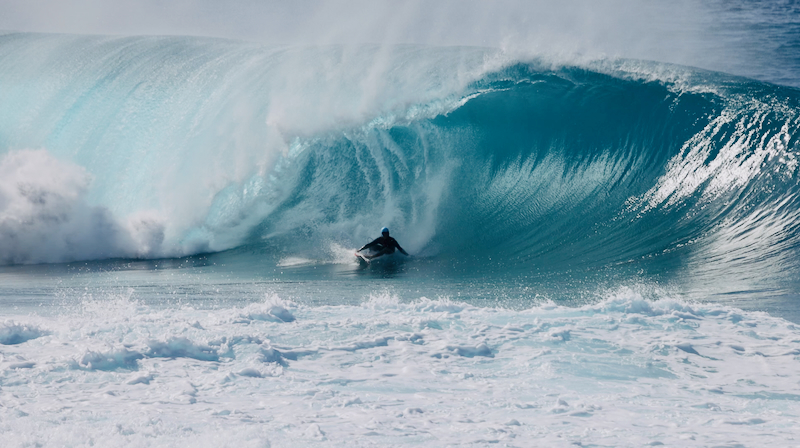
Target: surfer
x: 384, y: 245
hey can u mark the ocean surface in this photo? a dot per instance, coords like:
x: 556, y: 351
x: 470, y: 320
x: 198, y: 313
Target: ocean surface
x: 604, y: 251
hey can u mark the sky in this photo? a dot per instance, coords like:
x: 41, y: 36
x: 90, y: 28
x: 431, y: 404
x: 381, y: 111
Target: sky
x: 610, y: 26
x: 746, y: 37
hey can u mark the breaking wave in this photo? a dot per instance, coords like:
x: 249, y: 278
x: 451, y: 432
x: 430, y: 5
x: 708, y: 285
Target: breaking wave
x: 175, y: 146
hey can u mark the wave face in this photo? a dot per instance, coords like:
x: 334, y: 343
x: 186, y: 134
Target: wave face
x: 567, y: 169
x: 176, y: 146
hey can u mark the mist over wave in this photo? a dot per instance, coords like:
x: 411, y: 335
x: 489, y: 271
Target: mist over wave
x: 463, y: 152
x: 165, y: 124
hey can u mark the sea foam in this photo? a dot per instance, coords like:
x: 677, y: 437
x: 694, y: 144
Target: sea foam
x: 45, y: 217
x: 421, y: 373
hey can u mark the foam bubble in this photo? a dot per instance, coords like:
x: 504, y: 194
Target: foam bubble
x: 12, y: 333
x: 625, y: 368
x: 45, y: 218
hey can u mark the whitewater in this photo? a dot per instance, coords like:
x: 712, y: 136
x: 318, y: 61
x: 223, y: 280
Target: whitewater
x: 604, y: 250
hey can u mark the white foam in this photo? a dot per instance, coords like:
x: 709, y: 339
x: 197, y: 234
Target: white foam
x: 45, y: 218
x: 294, y: 261
x: 623, y: 372
x: 13, y: 333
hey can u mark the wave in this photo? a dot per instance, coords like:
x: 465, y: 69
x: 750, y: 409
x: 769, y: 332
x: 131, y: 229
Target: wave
x: 567, y: 169
x: 183, y: 146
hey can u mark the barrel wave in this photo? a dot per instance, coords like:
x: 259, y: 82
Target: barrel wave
x: 479, y: 161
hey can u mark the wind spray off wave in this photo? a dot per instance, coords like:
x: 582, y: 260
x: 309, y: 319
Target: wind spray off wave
x: 166, y: 124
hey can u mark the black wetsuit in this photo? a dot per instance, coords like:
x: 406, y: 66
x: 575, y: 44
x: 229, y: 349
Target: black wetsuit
x: 385, y: 245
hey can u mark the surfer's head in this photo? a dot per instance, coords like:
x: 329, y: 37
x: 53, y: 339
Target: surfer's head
x: 385, y: 231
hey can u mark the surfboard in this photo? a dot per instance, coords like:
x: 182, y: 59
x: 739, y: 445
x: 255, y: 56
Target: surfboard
x: 361, y: 260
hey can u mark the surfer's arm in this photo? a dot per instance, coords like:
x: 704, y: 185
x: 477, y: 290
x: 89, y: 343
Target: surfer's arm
x: 400, y: 248
x: 368, y: 245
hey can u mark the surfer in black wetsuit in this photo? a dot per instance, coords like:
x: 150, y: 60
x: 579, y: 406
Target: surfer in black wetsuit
x: 384, y: 245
